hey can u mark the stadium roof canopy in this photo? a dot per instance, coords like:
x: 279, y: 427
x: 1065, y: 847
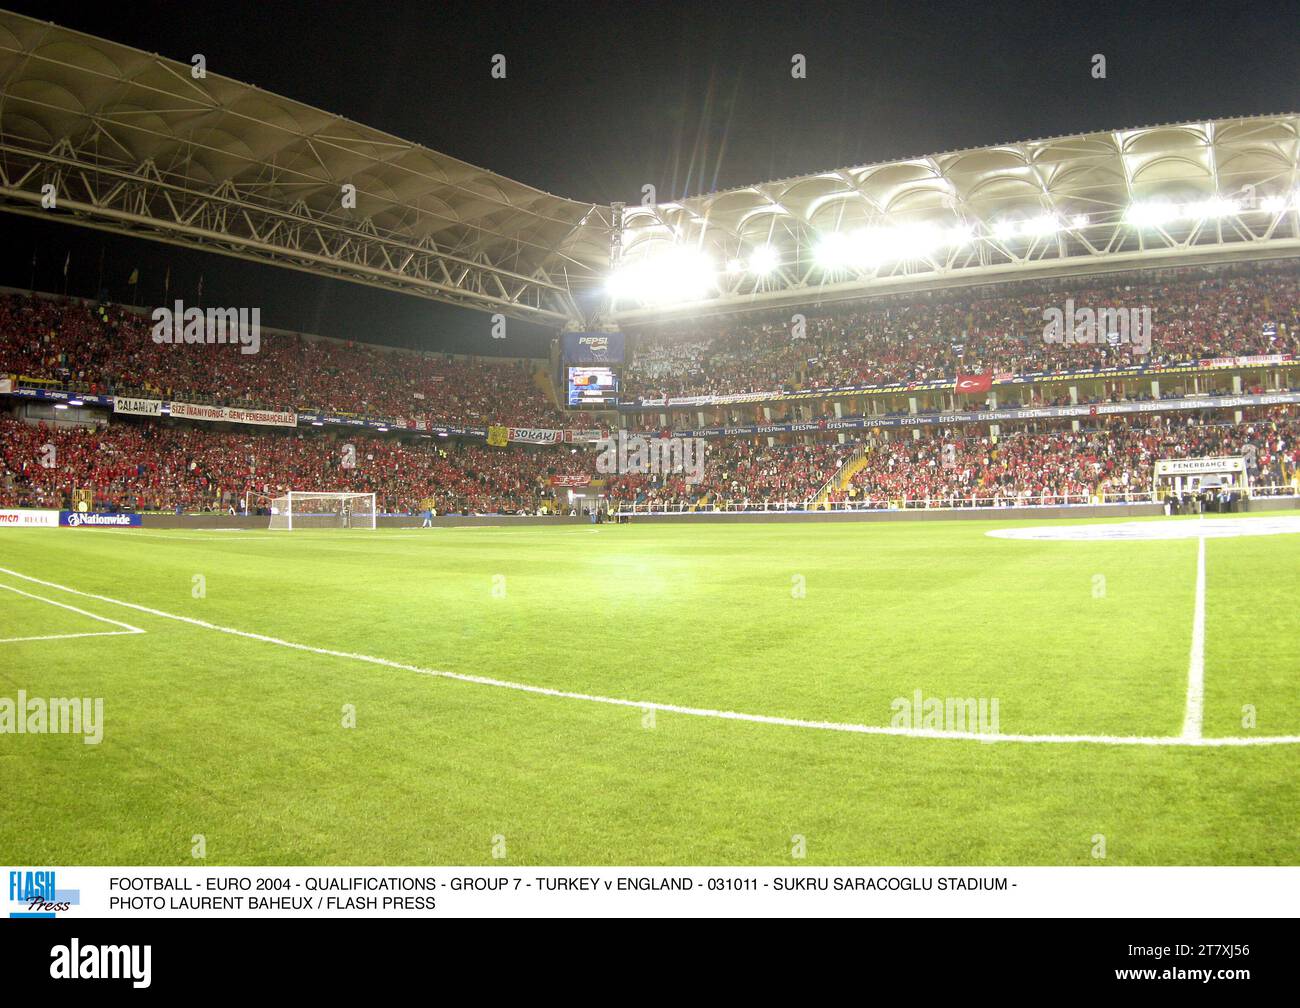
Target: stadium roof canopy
x: 1073, y: 204
x: 131, y: 142
x: 134, y: 143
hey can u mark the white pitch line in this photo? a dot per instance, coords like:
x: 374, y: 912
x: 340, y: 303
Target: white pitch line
x: 1196, y: 662
x: 127, y: 627
x: 70, y: 636
x: 1165, y: 740
x: 137, y: 534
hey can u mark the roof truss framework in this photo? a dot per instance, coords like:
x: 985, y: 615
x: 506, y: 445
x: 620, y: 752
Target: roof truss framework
x: 1086, y: 183
x: 131, y: 142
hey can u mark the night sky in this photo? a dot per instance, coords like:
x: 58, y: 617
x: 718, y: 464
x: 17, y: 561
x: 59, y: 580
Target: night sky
x: 691, y: 97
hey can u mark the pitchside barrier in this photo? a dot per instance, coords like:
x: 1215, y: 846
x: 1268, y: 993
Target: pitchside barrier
x: 1056, y: 506
x: 786, y: 511
x: 43, y: 518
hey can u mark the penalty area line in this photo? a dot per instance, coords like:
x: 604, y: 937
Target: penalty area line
x: 127, y: 628
x: 787, y: 722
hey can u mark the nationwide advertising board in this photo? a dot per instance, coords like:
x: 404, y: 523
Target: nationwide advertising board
x: 99, y: 519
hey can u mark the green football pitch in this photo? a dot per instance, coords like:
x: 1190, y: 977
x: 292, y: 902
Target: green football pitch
x: 653, y: 694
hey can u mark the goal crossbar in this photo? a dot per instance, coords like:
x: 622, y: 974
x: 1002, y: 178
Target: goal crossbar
x: 323, y: 509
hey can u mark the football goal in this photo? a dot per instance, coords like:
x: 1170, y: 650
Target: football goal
x: 299, y: 509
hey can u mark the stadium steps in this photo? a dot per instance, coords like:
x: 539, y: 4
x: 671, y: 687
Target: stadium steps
x: 842, y: 476
x: 542, y: 379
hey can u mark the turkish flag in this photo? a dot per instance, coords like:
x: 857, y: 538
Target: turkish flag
x: 969, y: 384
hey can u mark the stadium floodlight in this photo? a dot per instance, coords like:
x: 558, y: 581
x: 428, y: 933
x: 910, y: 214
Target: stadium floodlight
x: 1079, y: 220
x: 677, y: 274
x: 913, y: 241
x: 735, y: 266
x: 833, y: 251
x: 1040, y: 225
x: 300, y: 509
x: 764, y: 260
x: 1215, y: 206
x: 1004, y: 230
x: 959, y: 235
x: 1272, y: 204
x: 1151, y: 213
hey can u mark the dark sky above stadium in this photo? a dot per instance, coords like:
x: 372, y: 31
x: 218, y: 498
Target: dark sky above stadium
x: 602, y: 98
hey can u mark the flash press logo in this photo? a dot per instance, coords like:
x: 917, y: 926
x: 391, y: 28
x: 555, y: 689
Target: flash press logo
x: 75, y: 961
x: 1105, y: 326
x: 241, y: 327
x: 640, y: 455
x: 35, y: 893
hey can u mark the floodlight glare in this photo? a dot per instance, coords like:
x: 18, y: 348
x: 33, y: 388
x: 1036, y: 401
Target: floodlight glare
x: 832, y: 252
x: 672, y: 275
x: 1215, y: 206
x: 1043, y: 224
x: 1151, y: 214
x: 764, y: 260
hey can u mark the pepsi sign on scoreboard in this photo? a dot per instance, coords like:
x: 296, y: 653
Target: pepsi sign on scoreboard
x: 593, y: 348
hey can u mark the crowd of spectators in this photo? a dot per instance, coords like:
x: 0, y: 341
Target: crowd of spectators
x: 951, y: 467
x: 930, y: 336
x: 1115, y: 461
x: 152, y: 467
x: 102, y: 348
x: 739, y: 471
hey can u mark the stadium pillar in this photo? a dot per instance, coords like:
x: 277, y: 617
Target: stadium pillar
x: 1074, y: 395
x: 1236, y: 386
x: 911, y: 404
x: 1155, y: 389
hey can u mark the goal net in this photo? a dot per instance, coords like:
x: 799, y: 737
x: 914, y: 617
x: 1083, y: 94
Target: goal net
x: 299, y: 509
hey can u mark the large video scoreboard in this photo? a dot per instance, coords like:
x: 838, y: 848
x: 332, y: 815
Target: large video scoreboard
x: 592, y: 386
x: 591, y: 364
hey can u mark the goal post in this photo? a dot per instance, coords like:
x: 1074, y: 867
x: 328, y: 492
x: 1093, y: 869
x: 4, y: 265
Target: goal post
x: 299, y: 509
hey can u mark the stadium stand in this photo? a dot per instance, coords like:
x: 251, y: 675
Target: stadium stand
x: 108, y: 348
x: 1020, y: 467
x: 1196, y: 313
x: 157, y: 465
x: 152, y: 467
